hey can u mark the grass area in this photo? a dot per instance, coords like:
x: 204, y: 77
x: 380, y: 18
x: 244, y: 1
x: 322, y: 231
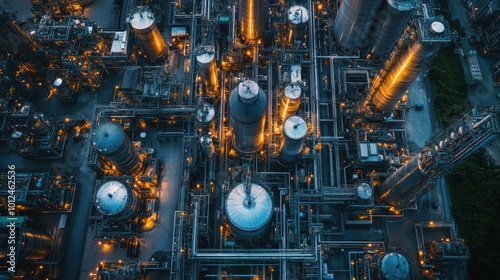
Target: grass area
x: 475, y: 195
x: 449, y: 89
x: 474, y: 185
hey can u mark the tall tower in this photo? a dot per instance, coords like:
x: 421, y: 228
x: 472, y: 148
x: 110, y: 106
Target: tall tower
x: 143, y: 24
x: 253, y: 15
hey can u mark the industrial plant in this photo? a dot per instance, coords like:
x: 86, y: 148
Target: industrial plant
x: 215, y: 139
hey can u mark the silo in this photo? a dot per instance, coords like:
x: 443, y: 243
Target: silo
x: 399, y: 188
x: 117, y: 202
x: 145, y: 29
x: 35, y: 245
x: 14, y: 40
x: 207, y: 69
x: 295, y: 129
x: 110, y: 140
x: 405, y: 69
x: 392, y: 266
x: 388, y: 25
x: 290, y: 101
x: 253, y: 17
x: 249, y: 211
x: 247, y: 116
x: 352, y: 23
x: 298, y: 17
x: 205, y: 117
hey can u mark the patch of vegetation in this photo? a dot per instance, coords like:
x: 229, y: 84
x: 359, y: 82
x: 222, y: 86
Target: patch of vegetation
x: 475, y: 195
x: 449, y: 89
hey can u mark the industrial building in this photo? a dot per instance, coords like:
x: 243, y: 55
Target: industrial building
x: 219, y: 139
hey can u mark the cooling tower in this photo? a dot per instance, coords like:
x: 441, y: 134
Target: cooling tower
x: 253, y: 16
x: 249, y: 211
x: 110, y: 140
x: 207, y: 69
x: 145, y: 29
x: 247, y: 116
x: 14, y: 40
x: 117, y: 202
x: 290, y: 101
x: 388, y: 25
x: 390, y: 85
x: 351, y: 26
x: 295, y: 129
x: 298, y: 17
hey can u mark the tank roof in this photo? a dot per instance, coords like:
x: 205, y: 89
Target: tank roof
x: 205, y: 57
x: 248, y: 91
x: 142, y: 18
x: 108, y: 137
x: 205, y: 113
x: 394, y: 267
x: 364, y: 191
x: 249, y: 212
x: 293, y: 91
x: 295, y: 127
x: 111, y: 198
x: 298, y: 14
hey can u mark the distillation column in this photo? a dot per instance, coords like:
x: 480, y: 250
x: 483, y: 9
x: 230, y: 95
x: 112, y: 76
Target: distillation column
x: 351, y: 26
x: 253, y: 15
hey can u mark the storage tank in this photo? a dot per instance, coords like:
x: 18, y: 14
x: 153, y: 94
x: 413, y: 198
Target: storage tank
x: 207, y: 69
x: 400, y: 188
x: 247, y: 116
x: 35, y: 245
x: 352, y: 23
x: 110, y: 140
x: 145, y: 29
x: 406, y: 67
x: 295, y: 130
x: 388, y: 25
x: 253, y: 17
x: 207, y: 146
x: 249, y: 211
x: 117, y: 201
x: 393, y: 266
x: 205, y: 117
x: 298, y: 17
x: 290, y: 101
x: 364, y: 191
x: 14, y: 40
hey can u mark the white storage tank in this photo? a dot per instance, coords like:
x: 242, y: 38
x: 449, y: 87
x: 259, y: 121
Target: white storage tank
x: 290, y: 101
x: 117, y: 201
x: 295, y: 130
x: 143, y: 24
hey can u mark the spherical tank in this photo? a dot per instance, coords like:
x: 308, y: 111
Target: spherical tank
x: 35, y: 245
x: 249, y: 213
x: 145, y: 29
x: 393, y: 266
x: 109, y: 140
x: 399, y: 188
x: 388, y: 25
x: 401, y: 76
x: 295, y: 129
x: 298, y: 17
x: 351, y: 26
x: 253, y: 15
x: 117, y: 202
x: 205, y: 116
x: 207, y: 68
x: 290, y: 101
x: 247, y: 116
x: 13, y: 38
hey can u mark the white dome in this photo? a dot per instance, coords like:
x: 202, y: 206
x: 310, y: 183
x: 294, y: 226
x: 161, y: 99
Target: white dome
x: 249, y: 212
x: 111, y: 198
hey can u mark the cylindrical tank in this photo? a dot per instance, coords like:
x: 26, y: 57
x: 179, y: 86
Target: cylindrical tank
x: 249, y: 211
x: 14, y: 40
x: 117, y: 202
x: 253, y: 17
x: 351, y: 26
x: 205, y: 116
x: 145, y: 29
x: 207, y: 145
x: 290, y: 101
x: 388, y: 25
x: 247, y: 116
x: 392, y: 266
x: 110, y: 140
x: 298, y: 17
x: 399, y: 188
x: 295, y: 129
x: 401, y: 75
x: 364, y: 191
x: 207, y: 68
x: 35, y: 245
